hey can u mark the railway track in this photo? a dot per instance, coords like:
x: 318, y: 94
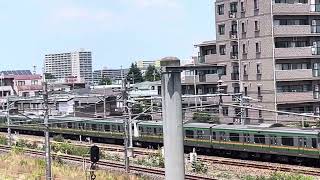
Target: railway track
x: 152, y: 171
x: 140, y: 151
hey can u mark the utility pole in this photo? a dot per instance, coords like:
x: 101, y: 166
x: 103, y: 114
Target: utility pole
x: 46, y: 131
x: 9, y: 123
x: 125, y: 107
x: 172, y: 120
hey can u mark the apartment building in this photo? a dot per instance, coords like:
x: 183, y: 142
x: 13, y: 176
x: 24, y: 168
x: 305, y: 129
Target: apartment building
x: 143, y: 65
x: 270, y: 49
x: 64, y: 65
x: 115, y: 75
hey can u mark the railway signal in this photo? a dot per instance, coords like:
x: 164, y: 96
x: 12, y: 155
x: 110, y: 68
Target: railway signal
x: 94, y: 154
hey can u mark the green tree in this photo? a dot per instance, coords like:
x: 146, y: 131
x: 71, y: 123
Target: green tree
x: 105, y: 81
x: 49, y: 76
x: 134, y: 74
x: 205, y: 118
x: 152, y: 74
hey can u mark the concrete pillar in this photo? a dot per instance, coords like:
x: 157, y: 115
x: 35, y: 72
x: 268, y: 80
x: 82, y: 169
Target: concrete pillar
x: 172, y: 120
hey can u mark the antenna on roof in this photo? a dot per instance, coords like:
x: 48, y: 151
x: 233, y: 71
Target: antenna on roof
x: 34, y: 69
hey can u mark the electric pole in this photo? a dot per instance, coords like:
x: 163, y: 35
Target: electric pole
x: 8, y: 122
x: 46, y: 131
x: 125, y: 108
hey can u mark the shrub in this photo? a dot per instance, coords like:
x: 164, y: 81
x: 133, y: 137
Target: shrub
x: 3, y: 140
x: 205, y: 117
x: 58, y: 138
x: 282, y: 176
x: 199, y: 167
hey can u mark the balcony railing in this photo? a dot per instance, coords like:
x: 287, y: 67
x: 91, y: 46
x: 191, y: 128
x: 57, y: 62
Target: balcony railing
x: 201, y: 59
x: 315, y: 28
x: 233, y: 35
x: 232, y: 14
x: 234, y: 76
x: 315, y: 50
x: 315, y: 7
x: 234, y: 55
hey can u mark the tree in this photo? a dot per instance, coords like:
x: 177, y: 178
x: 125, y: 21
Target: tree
x: 205, y: 118
x: 49, y: 76
x: 105, y: 81
x: 152, y: 74
x: 134, y: 74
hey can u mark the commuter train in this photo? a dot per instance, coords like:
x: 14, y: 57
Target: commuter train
x: 265, y: 141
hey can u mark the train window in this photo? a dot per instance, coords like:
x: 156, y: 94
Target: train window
x: 149, y: 130
x: 200, y: 134
x: 114, y: 128
x: 273, y: 140
x: 246, y: 137
x: 223, y: 136
x: 94, y: 127
x: 234, y: 137
x: 189, y: 134
x: 259, y: 139
x: 141, y: 129
x: 154, y: 130
x: 287, y: 141
x: 59, y: 125
x: 214, y: 135
x: 314, y: 143
x: 107, y: 127
x: 69, y: 125
x: 100, y: 127
x: 119, y: 129
x: 87, y: 126
x: 302, y: 142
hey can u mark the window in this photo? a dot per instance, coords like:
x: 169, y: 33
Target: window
x: 234, y: 137
x: 244, y: 49
x: 260, y: 114
x: 246, y: 137
x: 221, y: 29
x: 259, y: 139
x: 258, y: 50
x: 21, y: 83
x: 287, y: 141
x: 245, y: 69
x: 273, y: 140
x: 221, y: 9
x: 189, y: 134
x: 214, y: 135
x: 246, y: 91
x: 242, y: 7
x: 34, y: 82
x: 222, y: 49
x: 314, y: 143
x: 243, y: 27
x: 256, y: 4
x: 259, y: 91
x: 256, y: 26
x: 233, y: 7
x: 225, y: 111
x: 200, y: 134
x: 259, y: 69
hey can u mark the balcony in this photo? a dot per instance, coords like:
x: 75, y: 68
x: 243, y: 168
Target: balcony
x: 290, y: 30
x: 294, y: 9
x: 232, y: 15
x: 294, y: 74
x: 234, y: 76
x: 234, y: 55
x: 212, y: 78
x: 299, y: 52
x: 212, y: 58
x: 295, y: 97
x: 233, y: 35
x: 190, y: 79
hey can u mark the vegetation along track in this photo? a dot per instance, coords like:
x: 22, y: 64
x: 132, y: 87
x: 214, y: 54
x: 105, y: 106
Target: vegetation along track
x: 158, y: 172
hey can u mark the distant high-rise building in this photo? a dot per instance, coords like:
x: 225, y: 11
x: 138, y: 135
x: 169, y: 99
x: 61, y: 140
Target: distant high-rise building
x: 64, y: 65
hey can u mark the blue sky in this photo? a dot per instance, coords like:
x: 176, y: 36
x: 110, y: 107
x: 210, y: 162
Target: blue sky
x: 118, y: 32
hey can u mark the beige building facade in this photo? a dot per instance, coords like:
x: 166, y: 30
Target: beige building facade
x: 270, y: 51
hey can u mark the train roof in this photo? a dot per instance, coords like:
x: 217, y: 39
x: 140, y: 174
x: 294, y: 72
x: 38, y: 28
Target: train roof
x: 272, y: 128
x: 199, y: 125
x: 150, y: 123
